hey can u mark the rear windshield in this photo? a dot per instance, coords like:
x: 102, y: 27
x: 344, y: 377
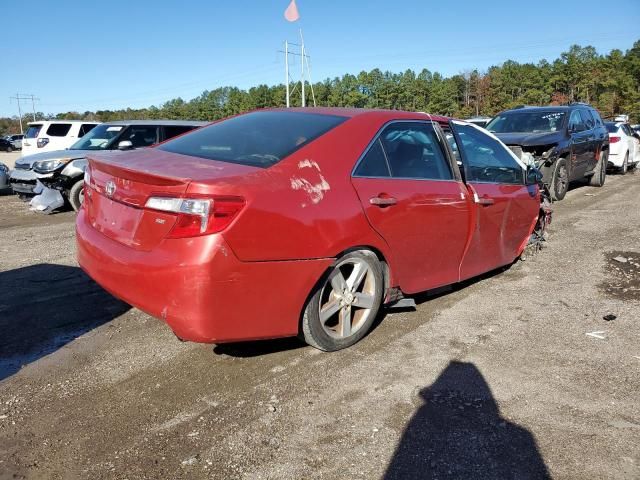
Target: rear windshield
x: 33, y: 131
x: 612, y: 127
x: 259, y: 139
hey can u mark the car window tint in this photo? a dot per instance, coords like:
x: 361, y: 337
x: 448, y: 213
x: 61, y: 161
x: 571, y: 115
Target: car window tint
x: 626, y: 129
x: 171, y: 131
x: 587, y: 119
x: 58, y: 129
x: 140, y: 135
x: 486, y: 159
x: 259, y: 139
x: 596, y: 117
x: 611, y: 127
x: 575, y: 121
x: 374, y: 163
x: 33, y: 131
x: 413, y: 151
x: 85, y: 128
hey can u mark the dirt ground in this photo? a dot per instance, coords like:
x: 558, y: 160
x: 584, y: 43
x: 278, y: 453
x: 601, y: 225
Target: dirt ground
x: 514, y: 375
x: 9, y: 159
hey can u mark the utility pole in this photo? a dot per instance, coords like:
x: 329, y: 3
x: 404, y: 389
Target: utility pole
x: 24, y: 96
x: 286, y: 69
x: 304, y: 61
x: 302, y: 67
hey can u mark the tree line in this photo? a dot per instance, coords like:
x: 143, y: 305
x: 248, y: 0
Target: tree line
x: 609, y: 82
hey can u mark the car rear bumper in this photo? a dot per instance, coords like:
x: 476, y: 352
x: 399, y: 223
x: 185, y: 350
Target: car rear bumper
x: 199, y: 287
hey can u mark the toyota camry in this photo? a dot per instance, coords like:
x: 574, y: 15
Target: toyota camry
x: 302, y: 222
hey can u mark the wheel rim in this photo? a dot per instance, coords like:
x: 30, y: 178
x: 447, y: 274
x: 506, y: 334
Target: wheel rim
x: 561, y: 182
x: 348, y: 298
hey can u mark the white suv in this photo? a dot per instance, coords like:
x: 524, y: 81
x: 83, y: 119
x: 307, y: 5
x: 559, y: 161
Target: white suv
x: 52, y: 135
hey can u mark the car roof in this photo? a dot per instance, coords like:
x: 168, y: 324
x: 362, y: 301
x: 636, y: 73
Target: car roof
x: 38, y: 122
x: 361, y: 112
x: 166, y: 123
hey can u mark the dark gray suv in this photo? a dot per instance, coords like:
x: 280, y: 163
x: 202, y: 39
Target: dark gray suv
x: 567, y: 143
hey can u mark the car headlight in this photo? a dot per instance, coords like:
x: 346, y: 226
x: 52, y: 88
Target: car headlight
x: 47, y: 166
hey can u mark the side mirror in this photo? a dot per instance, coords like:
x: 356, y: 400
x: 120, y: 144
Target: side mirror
x: 125, y: 145
x: 534, y: 176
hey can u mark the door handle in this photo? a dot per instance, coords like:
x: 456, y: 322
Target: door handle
x: 382, y: 201
x: 483, y: 200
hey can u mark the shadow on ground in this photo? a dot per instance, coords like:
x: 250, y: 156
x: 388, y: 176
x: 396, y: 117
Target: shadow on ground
x: 459, y: 433
x: 43, y: 307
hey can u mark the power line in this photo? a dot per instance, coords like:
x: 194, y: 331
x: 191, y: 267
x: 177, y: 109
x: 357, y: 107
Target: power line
x: 24, y: 96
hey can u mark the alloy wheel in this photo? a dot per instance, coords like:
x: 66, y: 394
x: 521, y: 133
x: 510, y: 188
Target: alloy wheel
x: 348, y: 298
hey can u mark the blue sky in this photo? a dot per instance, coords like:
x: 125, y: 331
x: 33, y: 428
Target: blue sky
x: 84, y: 55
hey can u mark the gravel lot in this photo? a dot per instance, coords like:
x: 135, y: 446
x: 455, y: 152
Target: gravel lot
x: 9, y: 159
x: 497, y: 378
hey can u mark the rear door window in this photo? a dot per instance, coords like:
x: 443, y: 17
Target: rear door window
x: 171, y: 131
x: 374, y: 163
x: 575, y: 122
x: 413, y: 151
x: 85, y: 128
x: 33, y: 131
x: 141, y: 135
x: 259, y: 139
x: 485, y: 158
x: 58, y: 129
x: 587, y: 119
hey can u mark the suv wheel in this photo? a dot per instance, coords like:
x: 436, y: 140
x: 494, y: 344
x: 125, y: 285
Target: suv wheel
x: 9, y: 149
x: 76, y: 195
x: 560, y: 180
x: 600, y: 172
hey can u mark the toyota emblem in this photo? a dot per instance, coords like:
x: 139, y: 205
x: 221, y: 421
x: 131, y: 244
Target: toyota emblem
x: 110, y: 188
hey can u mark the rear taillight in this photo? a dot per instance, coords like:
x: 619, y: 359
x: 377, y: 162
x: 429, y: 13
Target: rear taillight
x: 614, y: 139
x: 42, y: 142
x: 198, y: 216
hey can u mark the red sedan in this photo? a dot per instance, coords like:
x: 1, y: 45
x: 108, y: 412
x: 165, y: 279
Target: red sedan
x: 302, y: 222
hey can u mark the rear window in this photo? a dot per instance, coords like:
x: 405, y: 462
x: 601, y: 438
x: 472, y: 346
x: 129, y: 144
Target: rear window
x: 259, y: 139
x: 58, y: 129
x: 33, y: 131
x: 611, y: 127
x: 171, y: 131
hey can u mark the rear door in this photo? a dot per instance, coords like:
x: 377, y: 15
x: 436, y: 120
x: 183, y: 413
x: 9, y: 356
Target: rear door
x: 504, y: 208
x: 412, y: 198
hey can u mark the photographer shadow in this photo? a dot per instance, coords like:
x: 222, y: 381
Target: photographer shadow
x: 458, y: 433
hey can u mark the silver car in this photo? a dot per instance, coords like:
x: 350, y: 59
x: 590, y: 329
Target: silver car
x: 4, y: 178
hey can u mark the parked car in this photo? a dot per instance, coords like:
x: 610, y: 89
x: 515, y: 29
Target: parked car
x: 567, y: 143
x: 4, y: 178
x: 479, y: 121
x: 16, y: 140
x: 302, y: 221
x: 6, y: 145
x: 624, y: 149
x: 64, y: 169
x: 47, y: 136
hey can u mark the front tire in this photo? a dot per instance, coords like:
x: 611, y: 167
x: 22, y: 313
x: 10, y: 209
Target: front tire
x: 345, y: 304
x: 76, y: 195
x: 600, y: 172
x: 560, y: 180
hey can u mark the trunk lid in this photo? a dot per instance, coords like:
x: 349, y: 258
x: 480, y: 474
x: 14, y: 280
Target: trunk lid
x: 122, y: 182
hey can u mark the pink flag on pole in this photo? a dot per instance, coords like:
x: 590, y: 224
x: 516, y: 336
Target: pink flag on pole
x: 291, y: 13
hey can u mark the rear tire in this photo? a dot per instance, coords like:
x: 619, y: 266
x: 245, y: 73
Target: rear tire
x: 559, y: 180
x: 625, y: 165
x: 76, y: 195
x: 345, y: 303
x: 600, y: 172
x: 9, y: 149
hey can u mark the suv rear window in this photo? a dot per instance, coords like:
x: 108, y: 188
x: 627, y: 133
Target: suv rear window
x: 259, y: 139
x: 58, y: 129
x: 33, y: 131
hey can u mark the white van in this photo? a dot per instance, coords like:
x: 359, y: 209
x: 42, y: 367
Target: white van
x: 49, y: 135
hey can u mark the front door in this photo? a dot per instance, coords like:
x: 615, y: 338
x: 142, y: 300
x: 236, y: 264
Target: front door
x: 504, y: 208
x: 412, y: 198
